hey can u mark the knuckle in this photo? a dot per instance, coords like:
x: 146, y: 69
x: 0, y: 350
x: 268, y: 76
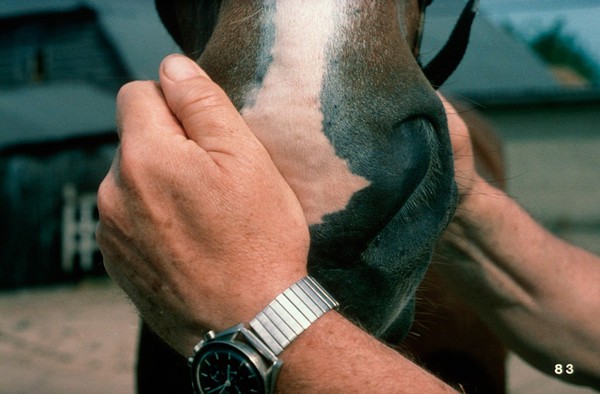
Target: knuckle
x: 106, y: 199
x: 131, y: 99
x: 132, y: 171
x: 201, y: 96
x: 126, y: 93
x: 132, y: 90
x: 129, y: 161
x: 106, y: 217
x: 135, y: 159
x: 101, y: 236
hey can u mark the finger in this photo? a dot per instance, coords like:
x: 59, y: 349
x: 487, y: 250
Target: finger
x: 148, y: 131
x: 202, y: 107
x: 143, y: 110
x: 456, y: 124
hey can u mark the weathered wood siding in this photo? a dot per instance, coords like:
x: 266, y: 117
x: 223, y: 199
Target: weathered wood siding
x: 32, y: 184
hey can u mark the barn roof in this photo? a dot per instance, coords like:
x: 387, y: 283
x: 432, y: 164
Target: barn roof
x: 494, y: 61
x: 497, y: 69
x: 132, y: 26
x: 57, y: 110
x: 54, y: 112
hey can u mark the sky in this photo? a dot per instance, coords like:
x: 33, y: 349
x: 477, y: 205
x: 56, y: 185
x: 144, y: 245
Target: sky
x: 581, y: 18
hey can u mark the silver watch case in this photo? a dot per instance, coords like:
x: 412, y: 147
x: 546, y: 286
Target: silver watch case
x: 246, y: 342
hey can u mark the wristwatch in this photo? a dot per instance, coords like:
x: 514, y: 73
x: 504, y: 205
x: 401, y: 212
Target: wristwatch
x: 244, y: 359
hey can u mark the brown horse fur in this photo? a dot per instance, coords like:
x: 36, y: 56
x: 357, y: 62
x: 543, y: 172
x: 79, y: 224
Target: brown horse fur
x: 225, y: 33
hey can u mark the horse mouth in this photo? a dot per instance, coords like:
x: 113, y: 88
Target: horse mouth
x: 411, y: 179
x: 373, y: 255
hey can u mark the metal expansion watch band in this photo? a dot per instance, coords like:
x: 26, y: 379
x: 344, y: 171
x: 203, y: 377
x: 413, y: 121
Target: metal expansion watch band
x: 293, y: 311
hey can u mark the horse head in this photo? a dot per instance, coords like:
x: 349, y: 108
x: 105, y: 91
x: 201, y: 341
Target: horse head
x: 335, y: 92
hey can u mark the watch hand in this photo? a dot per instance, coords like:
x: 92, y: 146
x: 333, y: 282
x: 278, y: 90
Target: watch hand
x: 221, y: 388
x: 227, y: 384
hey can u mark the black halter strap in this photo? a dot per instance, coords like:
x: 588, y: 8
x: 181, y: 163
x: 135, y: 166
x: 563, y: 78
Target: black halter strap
x: 447, y: 60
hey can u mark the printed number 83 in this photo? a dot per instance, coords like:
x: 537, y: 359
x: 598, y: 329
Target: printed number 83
x: 559, y: 369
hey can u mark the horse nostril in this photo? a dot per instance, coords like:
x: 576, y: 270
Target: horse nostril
x: 412, y: 150
x: 408, y: 151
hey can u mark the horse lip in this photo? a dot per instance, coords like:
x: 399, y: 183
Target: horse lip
x: 434, y: 150
x: 372, y: 258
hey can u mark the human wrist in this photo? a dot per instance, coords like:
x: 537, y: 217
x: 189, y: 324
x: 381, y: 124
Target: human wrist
x: 257, y: 345
x: 239, y: 305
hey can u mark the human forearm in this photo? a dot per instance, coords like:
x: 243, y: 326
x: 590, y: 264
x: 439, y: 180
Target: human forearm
x: 334, y: 356
x: 537, y: 291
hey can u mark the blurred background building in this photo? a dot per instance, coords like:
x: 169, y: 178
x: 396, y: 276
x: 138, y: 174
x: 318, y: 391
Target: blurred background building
x: 532, y: 70
x: 63, y: 61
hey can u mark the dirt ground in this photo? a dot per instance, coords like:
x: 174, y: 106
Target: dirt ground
x: 82, y: 339
x: 67, y: 340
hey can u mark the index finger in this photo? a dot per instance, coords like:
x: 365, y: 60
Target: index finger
x: 142, y: 111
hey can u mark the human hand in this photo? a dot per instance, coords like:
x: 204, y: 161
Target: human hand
x: 465, y: 173
x: 197, y: 225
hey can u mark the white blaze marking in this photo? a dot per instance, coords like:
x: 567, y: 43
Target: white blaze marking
x: 285, y: 112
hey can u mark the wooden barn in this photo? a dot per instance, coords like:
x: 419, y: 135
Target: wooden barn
x: 61, y: 65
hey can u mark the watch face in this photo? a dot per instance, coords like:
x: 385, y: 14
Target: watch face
x: 222, y: 368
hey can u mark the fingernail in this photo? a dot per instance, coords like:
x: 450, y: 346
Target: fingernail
x: 179, y: 68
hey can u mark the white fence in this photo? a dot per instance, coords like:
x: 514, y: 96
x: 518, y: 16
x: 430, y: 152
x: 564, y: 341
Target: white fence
x: 79, y: 219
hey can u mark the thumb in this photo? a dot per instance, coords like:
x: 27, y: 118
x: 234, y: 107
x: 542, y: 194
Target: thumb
x: 204, y: 110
